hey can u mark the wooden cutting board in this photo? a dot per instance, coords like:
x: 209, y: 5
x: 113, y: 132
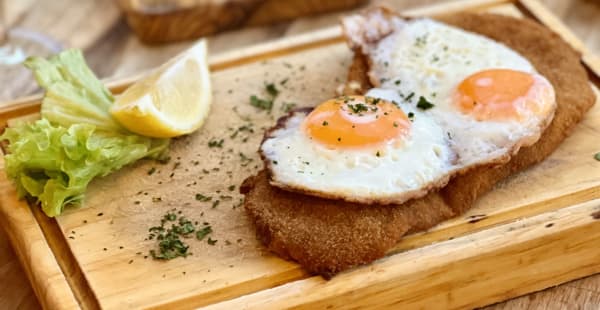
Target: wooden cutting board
x: 537, y: 229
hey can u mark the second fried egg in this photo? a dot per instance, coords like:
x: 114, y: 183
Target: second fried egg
x: 489, y: 99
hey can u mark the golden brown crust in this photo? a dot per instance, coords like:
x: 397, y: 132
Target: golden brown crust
x: 327, y: 236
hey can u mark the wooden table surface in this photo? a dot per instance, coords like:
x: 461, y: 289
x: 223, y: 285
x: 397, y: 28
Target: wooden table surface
x: 98, y: 28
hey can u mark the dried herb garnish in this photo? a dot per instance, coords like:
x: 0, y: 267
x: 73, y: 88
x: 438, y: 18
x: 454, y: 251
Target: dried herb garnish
x: 423, y: 104
x: 216, y: 143
x: 420, y: 41
x: 245, y: 159
x: 170, y: 244
x: 358, y: 107
x: 271, y: 89
x: 244, y: 128
x: 200, y: 234
x: 267, y: 103
x: 597, y: 156
x: 287, y: 106
x: 203, y: 198
x: 171, y: 233
x: 263, y: 104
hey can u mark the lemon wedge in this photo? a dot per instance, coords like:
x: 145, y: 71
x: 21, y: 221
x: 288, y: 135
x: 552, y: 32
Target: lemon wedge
x: 173, y: 100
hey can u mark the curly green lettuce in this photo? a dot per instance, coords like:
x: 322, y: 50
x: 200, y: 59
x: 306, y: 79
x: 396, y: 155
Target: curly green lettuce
x: 55, y: 158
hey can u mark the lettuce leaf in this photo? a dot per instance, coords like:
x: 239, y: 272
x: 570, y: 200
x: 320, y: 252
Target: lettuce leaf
x: 74, y: 95
x: 55, y: 158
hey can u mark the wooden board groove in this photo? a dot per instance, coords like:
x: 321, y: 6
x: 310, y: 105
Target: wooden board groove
x: 277, y: 279
x: 574, y: 233
x: 476, y: 224
x: 66, y: 261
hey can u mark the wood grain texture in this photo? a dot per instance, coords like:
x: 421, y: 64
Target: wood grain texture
x: 51, y: 286
x: 119, y: 53
x: 155, y: 22
x: 535, y: 247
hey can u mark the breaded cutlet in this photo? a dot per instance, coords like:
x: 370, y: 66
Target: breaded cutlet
x: 328, y: 236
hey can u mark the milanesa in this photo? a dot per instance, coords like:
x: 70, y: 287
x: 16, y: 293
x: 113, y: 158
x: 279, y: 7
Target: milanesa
x: 328, y: 236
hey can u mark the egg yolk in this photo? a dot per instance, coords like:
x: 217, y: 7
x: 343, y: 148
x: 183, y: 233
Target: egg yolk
x: 356, y: 121
x: 502, y: 94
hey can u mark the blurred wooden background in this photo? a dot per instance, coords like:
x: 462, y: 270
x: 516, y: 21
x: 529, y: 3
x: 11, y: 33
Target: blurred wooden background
x: 112, y: 51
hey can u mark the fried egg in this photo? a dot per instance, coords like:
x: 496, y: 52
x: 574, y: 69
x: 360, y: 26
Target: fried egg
x: 489, y: 99
x: 358, y: 149
x: 446, y: 101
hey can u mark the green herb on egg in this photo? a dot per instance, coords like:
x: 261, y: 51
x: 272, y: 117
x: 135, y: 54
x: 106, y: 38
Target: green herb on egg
x: 423, y: 104
x: 358, y: 107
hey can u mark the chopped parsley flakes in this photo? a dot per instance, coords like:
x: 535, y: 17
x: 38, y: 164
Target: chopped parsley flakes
x: 267, y: 103
x: 245, y: 159
x: 170, y: 244
x: 171, y: 233
x: 271, y: 89
x: 423, y: 104
x: 263, y: 104
x: 597, y: 156
x: 203, y: 198
x: 358, y: 107
x: 287, y: 106
x: 200, y: 234
x: 420, y: 41
x: 216, y: 143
